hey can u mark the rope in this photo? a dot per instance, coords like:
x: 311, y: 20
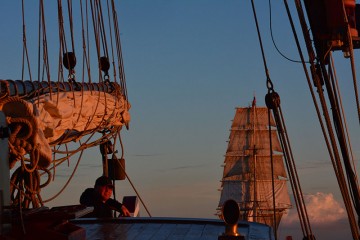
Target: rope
x: 127, y: 176
x: 272, y: 171
x: 119, y: 51
x: 332, y: 151
x: 111, y: 41
x: 26, y: 178
x: 348, y: 38
x: 269, y: 85
x: 25, y: 50
x: 25, y: 188
x: 67, y: 182
x: 333, y: 76
x: 272, y: 100
x: 69, y: 3
x: 273, y: 40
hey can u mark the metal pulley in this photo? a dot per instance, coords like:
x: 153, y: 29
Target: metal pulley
x: 104, y: 64
x: 272, y: 100
x: 69, y: 60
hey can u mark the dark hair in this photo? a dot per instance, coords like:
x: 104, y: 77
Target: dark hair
x: 103, y: 181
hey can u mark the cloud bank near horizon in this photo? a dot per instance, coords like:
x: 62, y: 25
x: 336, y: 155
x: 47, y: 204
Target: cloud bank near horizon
x: 322, y: 208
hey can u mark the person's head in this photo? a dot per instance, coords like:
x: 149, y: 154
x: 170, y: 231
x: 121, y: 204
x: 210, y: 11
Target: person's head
x: 104, y: 187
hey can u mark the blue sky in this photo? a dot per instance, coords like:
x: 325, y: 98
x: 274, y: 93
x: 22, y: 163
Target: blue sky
x: 188, y: 64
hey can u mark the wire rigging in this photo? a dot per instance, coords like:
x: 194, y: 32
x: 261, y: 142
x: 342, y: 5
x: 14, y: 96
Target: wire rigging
x: 272, y: 100
x: 108, y: 113
x: 273, y: 40
x: 319, y: 76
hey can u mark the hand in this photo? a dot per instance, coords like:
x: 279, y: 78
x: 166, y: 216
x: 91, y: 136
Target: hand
x: 125, y: 211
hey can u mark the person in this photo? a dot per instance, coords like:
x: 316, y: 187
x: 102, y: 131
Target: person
x: 99, y: 197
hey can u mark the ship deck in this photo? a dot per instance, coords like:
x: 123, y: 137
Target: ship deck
x: 65, y: 223
x: 166, y: 228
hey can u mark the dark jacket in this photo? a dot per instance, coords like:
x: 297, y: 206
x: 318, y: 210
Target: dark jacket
x: 91, y: 198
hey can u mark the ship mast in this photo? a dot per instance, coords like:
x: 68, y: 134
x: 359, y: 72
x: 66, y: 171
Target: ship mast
x: 254, y: 158
x: 246, y: 172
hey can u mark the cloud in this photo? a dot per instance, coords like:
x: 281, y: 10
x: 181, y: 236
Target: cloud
x: 322, y: 208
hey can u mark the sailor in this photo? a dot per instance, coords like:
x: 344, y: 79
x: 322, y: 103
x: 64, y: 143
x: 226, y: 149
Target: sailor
x: 99, y: 197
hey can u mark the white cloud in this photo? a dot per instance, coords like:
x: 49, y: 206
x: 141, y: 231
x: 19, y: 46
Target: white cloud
x: 322, y: 208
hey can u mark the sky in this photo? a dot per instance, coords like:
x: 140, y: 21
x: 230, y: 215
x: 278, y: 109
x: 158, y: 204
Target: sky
x: 188, y: 65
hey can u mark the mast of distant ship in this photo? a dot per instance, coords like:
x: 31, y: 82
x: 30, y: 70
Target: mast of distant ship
x: 253, y: 108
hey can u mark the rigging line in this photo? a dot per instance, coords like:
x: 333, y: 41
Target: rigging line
x: 290, y: 157
x: 260, y: 41
x: 103, y: 32
x: 60, y: 74
x: 270, y: 87
x: 337, y: 121
x: 111, y: 41
x: 334, y: 75
x: 127, y: 176
x: 39, y: 37
x: 82, y: 147
x: 25, y: 50
x: 273, y: 40
x: 46, y: 65
x: 68, y: 181
x: 352, y: 60
x: 21, y: 215
x: 119, y: 51
x: 122, y: 155
x: 86, y: 59
x: 353, y: 69
x: 340, y: 173
x: 272, y: 174
x: 96, y: 33
x: 88, y: 38
x: 67, y: 157
x: 69, y: 3
x: 273, y: 103
x: 313, y: 71
x: 63, y: 46
x: 62, y: 37
x: 53, y: 163
x: 137, y: 193
x: 101, y: 26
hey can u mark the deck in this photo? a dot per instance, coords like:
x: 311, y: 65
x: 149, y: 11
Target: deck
x: 166, y: 228
x: 68, y: 223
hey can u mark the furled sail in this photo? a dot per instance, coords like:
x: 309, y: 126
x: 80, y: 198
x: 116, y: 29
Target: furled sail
x: 71, y: 95
x: 247, y: 176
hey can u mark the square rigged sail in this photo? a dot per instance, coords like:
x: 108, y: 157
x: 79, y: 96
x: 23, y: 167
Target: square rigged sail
x: 247, y: 175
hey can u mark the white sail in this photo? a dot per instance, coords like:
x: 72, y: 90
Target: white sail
x: 248, y: 173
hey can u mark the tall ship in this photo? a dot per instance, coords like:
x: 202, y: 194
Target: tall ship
x: 75, y: 99
x: 67, y: 93
x: 254, y: 167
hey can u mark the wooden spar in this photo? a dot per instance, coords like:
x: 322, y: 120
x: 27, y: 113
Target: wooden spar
x: 329, y: 25
x: 4, y: 160
x: 29, y: 89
